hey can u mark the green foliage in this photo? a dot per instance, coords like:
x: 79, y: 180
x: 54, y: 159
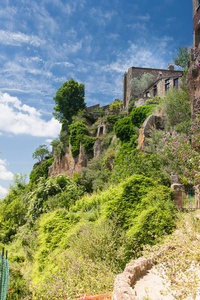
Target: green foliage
x: 183, y: 57
x: 131, y: 105
x: 156, y: 216
x: 125, y: 205
x: 95, y: 176
x: 51, y: 194
x: 12, y: 214
x: 131, y: 161
x: 112, y: 118
x: 154, y: 100
x: 69, y: 100
x: 140, y: 114
x: 40, y: 171
x: 116, y: 104
x: 40, y: 153
x: 123, y: 129
x: 138, y: 85
x: 177, y: 109
x: 77, y: 133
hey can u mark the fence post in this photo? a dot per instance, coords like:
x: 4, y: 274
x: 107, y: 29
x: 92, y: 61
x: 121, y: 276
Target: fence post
x: 197, y: 196
x: 1, y: 279
x: 178, y: 191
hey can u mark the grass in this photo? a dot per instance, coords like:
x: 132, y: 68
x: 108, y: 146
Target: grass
x: 179, y: 257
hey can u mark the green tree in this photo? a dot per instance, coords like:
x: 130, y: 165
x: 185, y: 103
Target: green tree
x: 183, y: 58
x: 138, y: 85
x: 116, y: 104
x: 69, y: 100
x: 40, y: 153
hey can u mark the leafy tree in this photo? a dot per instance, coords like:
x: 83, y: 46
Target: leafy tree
x: 177, y: 109
x: 69, y: 100
x: 40, y: 153
x: 183, y: 58
x: 116, y: 104
x: 138, y: 85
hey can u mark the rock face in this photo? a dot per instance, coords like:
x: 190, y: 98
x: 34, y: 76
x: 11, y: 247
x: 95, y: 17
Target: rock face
x: 152, y: 122
x: 68, y: 164
x: 98, y: 148
x: 193, y: 79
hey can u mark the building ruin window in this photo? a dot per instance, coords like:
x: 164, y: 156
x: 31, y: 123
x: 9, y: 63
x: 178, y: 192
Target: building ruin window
x: 155, y: 92
x: 167, y: 85
x: 198, y: 3
x: 176, y: 83
x: 147, y: 94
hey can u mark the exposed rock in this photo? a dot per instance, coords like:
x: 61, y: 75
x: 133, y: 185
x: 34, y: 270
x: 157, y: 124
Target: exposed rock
x: 98, y: 148
x: 152, y: 122
x: 68, y: 164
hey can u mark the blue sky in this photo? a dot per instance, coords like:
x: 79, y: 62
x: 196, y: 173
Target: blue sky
x: 44, y: 43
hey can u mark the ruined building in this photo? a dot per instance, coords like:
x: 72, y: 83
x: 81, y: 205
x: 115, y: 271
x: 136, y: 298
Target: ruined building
x: 193, y: 77
x: 196, y: 22
x: 162, y: 80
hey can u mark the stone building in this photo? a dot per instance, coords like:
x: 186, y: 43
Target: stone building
x: 162, y: 79
x: 193, y: 76
x: 196, y: 22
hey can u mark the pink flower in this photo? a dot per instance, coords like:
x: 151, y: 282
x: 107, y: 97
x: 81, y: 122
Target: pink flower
x: 162, y: 149
x: 157, y: 149
x: 174, y: 149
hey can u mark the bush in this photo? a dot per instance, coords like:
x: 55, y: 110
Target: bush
x: 123, y: 129
x: 77, y: 133
x: 177, y: 109
x: 40, y: 171
x: 140, y: 114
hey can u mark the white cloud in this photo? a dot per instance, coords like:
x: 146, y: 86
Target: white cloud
x: 18, y: 118
x: 18, y: 38
x: 3, y: 192
x: 102, y: 18
x: 4, y: 173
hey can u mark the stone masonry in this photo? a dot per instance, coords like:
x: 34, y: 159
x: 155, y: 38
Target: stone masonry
x: 138, y: 72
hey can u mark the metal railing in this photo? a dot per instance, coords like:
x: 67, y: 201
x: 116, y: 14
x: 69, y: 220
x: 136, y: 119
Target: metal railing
x: 4, y: 275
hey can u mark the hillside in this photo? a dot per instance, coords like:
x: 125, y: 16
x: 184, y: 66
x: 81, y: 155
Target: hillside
x: 71, y: 236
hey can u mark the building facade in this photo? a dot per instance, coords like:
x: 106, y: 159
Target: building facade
x: 196, y: 22
x: 161, y: 79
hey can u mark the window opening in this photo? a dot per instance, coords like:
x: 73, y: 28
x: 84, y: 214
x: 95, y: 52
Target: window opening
x: 167, y: 85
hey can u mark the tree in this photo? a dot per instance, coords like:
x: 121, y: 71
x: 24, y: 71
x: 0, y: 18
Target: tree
x: 40, y: 153
x: 138, y: 85
x: 116, y: 104
x: 183, y: 58
x: 69, y: 100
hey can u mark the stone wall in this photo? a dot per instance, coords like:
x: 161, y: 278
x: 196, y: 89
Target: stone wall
x: 138, y: 72
x: 123, y: 282
x: 193, y: 79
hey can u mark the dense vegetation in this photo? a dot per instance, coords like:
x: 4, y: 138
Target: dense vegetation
x: 70, y: 236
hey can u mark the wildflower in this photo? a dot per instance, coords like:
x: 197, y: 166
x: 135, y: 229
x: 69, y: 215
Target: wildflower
x: 174, y: 149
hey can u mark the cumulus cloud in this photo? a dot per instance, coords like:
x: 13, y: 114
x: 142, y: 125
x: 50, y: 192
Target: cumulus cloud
x: 18, y: 38
x: 4, y: 173
x: 3, y: 192
x: 18, y: 118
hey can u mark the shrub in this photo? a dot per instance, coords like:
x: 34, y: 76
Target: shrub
x: 123, y: 129
x: 116, y: 104
x: 140, y: 114
x: 40, y: 171
x: 77, y: 133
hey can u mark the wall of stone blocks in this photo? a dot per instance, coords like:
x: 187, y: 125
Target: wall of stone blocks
x: 138, y: 72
